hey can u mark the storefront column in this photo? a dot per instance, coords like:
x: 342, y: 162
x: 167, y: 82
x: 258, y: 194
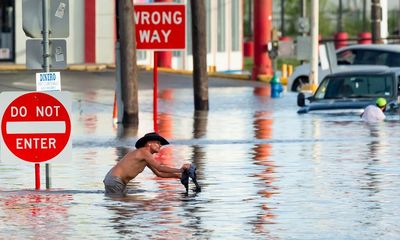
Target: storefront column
x: 262, y: 34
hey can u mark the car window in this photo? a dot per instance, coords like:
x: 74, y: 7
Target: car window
x: 346, y: 57
x: 370, y: 57
x: 393, y: 60
x: 321, y: 91
x: 356, y: 87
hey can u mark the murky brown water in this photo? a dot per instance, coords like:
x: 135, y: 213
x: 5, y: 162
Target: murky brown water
x: 266, y: 173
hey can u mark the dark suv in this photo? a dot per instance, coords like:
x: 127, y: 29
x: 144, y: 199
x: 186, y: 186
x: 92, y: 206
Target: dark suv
x: 354, y: 90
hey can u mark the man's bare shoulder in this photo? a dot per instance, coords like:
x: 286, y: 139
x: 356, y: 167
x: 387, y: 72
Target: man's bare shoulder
x: 138, y: 154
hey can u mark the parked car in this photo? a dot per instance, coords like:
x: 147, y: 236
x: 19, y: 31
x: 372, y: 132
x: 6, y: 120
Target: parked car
x: 359, y: 54
x: 354, y: 90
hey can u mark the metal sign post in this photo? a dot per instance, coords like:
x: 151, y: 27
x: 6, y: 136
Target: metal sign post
x: 46, y: 65
x: 155, y: 91
x: 54, y: 22
x: 45, y: 33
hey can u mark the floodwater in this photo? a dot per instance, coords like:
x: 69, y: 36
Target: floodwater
x: 266, y: 173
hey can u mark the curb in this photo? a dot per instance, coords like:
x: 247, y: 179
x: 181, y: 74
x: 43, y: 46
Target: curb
x: 103, y: 67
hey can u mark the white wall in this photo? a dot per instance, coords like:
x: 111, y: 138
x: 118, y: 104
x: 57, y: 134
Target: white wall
x: 76, y: 39
x: 105, y: 31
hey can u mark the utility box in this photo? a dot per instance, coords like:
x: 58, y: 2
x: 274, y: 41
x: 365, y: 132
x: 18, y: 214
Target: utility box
x: 303, y: 48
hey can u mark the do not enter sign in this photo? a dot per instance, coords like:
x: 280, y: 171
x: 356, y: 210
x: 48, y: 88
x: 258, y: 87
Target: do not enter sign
x: 35, y: 126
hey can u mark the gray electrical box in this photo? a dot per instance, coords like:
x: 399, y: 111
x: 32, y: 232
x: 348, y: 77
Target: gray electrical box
x: 57, y: 51
x: 303, y: 48
x: 58, y: 17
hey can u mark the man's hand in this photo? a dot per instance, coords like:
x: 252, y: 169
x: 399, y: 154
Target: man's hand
x: 185, y: 166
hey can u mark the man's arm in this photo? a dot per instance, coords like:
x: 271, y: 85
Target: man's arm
x: 153, y: 164
x: 164, y: 174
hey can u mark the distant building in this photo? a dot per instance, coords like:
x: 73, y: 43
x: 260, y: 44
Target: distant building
x: 93, y: 34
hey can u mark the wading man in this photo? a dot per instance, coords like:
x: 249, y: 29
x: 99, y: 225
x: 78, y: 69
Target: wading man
x: 135, y: 161
x: 374, y: 113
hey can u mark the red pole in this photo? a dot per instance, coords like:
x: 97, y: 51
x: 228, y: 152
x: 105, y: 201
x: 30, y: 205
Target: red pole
x: 37, y: 176
x: 164, y: 57
x: 262, y: 35
x: 155, y: 91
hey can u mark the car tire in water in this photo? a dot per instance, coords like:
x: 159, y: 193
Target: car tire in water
x: 299, y: 83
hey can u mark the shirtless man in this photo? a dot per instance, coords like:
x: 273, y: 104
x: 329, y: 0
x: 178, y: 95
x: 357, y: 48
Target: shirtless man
x: 135, y: 161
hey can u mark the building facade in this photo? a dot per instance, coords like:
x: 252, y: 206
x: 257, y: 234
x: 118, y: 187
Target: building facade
x: 92, y: 34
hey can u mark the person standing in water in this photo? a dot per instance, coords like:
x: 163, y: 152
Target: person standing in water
x: 135, y: 161
x: 375, y: 113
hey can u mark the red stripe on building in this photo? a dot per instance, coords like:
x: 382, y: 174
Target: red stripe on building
x: 90, y: 31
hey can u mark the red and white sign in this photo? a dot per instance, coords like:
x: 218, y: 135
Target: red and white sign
x: 36, y: 126
x: 160, y: 26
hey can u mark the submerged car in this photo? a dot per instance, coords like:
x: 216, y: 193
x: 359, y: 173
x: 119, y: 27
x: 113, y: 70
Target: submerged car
x: 353, y: 90
x: 359, y: 54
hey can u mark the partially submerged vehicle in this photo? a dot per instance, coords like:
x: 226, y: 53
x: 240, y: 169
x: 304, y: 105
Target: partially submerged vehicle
x: 358, y: 54
x: 353, y: 90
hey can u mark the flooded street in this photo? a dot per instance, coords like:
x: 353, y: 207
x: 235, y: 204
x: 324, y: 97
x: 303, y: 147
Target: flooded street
x: 266, y: 172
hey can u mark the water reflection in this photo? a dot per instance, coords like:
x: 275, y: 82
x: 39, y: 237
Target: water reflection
x: 162, y: 209
x: 165, y: 125
x: 261, y: 156
x: 374, y: 157
x: 126, y: 131
x: 199, y: 131
x: 35, y: 214
x: 264, y: 91
x: 166, y: 94
x: 88, y: 118
x: 200, y: 124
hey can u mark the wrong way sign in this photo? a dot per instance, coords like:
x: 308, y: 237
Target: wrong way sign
x: 35, y: 126
x: 160, y: 26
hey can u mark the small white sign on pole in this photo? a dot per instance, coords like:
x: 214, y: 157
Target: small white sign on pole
x: 48, y: 81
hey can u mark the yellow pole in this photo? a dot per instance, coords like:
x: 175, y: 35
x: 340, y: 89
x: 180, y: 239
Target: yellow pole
x: 290, y: 70
x: 284, y: 74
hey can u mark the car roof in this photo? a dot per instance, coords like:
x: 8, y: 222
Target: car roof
x: 381, y: 47
x: 363, y: 70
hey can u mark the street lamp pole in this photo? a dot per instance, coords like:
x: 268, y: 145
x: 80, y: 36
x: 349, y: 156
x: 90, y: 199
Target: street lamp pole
x: 314, y: 44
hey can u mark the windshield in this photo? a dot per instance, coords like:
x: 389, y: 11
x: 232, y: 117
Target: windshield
x: 355, y: 87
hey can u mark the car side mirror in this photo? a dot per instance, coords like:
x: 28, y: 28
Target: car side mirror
x: 393, y: 106
x: 301, y: 100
